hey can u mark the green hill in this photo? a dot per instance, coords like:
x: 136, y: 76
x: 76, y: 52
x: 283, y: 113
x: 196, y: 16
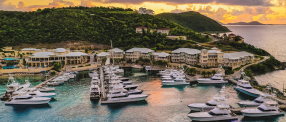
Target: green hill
x: 96, y: 24
x: 194, y: 20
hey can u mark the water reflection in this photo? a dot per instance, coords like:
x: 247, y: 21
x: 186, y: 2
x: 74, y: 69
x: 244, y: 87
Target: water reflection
x: 24, y: 108
x: 261, y: 119
x: 179, y: 87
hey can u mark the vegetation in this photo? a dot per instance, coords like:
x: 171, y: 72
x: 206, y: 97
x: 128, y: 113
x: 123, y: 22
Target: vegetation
x: 249, y: 48
x: 142, y: 60
x: 56, y: 67
x: 209, y: 73
x: 194, y: 20
x: 227, y: 70
x: 192, y: 71
x: 24, y: 62
x: 204, y: 73
x: 213, y: 72
x: 160, y: 63
x: 96, y: 24
x: 238, y: 68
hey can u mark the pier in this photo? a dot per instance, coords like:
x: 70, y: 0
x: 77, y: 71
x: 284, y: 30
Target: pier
x: 102, y: 83
x: 39, y: 85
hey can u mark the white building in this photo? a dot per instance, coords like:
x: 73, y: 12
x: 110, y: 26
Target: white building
x: 101, y: 55
x: 185, y: 55
x: 133, y: 54
x: 163, y: 31
x: 161, y: 56
x: 146, y: 11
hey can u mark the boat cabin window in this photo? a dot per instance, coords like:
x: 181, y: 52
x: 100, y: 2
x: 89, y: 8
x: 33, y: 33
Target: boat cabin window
x: 119, y: 96
x: 210, y: 104
x: 23, y: 98
x: 245, y: 87
x: 215, y: 114
x: 215, y: 79
x: 261, y: 109
x: 257, y: 101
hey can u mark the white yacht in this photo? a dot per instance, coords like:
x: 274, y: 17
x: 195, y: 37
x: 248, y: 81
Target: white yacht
x: 148, y: 68
x: 123, y: 99
x: 259, y: 100
x: 245, y: 87
x: 94, y: 92
x: 46, y: 89
x: 15, y: 86
x: 210, y: 104
x: 268, y: 108
x: 93, y: 73
x: 60, y: 79
x: 27, y: 100
x: 35, y: 92
x: 221, y: 112
x: 69, y: 75
x: 137, y: 66
x: 55, y: 83
x: 217, y: 78
x: 177, y: 81
x: 130, y: 87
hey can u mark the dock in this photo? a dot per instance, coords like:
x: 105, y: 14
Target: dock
x: 191, y: 79
x: 232, y: 81
x: 39, y: 85
x: 103, y: 92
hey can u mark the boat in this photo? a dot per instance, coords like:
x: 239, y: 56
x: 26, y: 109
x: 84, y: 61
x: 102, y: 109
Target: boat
x: 221, y: 97
x: 35, y: 92
x: 124, y: 79
x: 268, y: 108
x: 60, y: 79
x: 93, y: 73
x: 46, y: 89
x: 219, y: 113
x: 130, y: 87
x: 13, y: 87
x: 69, y: 75
x: 177, y: 81
x: 55, y: 83
x: 94, y: 92
x: 127, y: 82
x: 124, y: 99
x: 137, y: 66
x: 245, y: 87
x: 27, y: 100
x: 148, y: 68
x: 217, y: 78
x: 135, y: 91
x: 259, y: 100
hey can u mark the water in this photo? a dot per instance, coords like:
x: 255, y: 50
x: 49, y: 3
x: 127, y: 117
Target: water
x: 164, y: 103
x: 271, y: 39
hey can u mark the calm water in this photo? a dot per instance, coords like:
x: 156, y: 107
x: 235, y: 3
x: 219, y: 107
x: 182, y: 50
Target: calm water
x: 271, y: 39
x: 164, y: 103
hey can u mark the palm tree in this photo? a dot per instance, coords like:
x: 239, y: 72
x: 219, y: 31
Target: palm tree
x: 213, y: 72
x: 204, y: 73
x: 208, y: 73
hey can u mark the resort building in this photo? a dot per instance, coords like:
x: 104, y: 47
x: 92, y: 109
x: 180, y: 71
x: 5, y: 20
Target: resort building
x: 116, y: 53
x: 177, y: 37
x: 101, y: 55
x: 145, y: 11
x: 163, y: 31
x: 134, y: 53
x: 161, y: 56
x: 30, y: 50
x: 48, y: 57
x: 211, y: 58
x: 140, y: 29
x: 185, y: 55
x: 237, y: 59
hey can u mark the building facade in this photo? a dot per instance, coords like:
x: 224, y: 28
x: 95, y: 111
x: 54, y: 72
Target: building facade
x: 210, y: 58
x: 116, y: 53
x: 185, y: 55
x: 163, y: 31
x: 102, y: 55
x: 140, y: 29
x: 161, y: 56
x: 134, y: 54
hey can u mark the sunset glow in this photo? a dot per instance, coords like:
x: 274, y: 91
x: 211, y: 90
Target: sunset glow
x: 265, y: 11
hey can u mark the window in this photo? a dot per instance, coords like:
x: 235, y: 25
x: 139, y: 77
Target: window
x: 205, y: 56
x: 205, y: 60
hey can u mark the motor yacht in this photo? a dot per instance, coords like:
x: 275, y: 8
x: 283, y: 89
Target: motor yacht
x: 130, y: 87
x: 93, y: 73
x: 35, y: 92
x: 94, y: 92
x: 46, y: 89
x: 123, y: 99
x: 60, y: 79
x: 219, y: 113
x: 55, y: 83
x: 268, y: 108
x: 127, y: 83
x: 69, y: 75
x: 27, y: 100
x: 217, y: 78
x: 259, y: 100
x: 148, y: 68
x: 15, y: 86
x: 124, y: 79
x: 210, y: 104
x: 137, y: 66
x: 177, y: 81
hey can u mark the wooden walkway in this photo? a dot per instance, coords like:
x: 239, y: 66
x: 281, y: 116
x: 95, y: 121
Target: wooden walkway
x: 39, y: 85
x: 102, y: 83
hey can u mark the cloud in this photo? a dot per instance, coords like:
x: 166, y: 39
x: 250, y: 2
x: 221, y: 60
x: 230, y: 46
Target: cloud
x: 87, y: 3
x: 264, y: 18
x: 6, y: 6
x: 21, y: 4
x: 177, y: 11
x: 225, y: 2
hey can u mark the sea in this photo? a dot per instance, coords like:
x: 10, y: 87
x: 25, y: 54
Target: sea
x: 164, y: 104
x: 271, y: 38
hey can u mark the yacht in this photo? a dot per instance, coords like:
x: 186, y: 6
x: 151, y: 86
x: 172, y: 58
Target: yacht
x: 148, y: 68
x: 124, y: 79
x: 55, y: 83
x: 137, y: 66
x: 268, y: 108
x: 123, y: 99
x: 94, y: 92
x: 219, y: 113
x: 60, y: 79
x: 15, y: 86
x: 259, y: 100
x: 46, y: 89
x: 166, y: 71
x: 27, y: 100
x: 130, y: 87
x: 69, y: 75
x: 93, y: 73
x: 217, y: 78
x: 35, y: 92
x: 177, y: 81
x: 210, y: 104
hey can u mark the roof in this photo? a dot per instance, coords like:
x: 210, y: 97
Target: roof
x: 60, y: 50
x: 141, y: 27
x: 176, y: 36
x: 43, y: 54
x: 187, y: 50
x: 142, y: 50
x: 236, y: 55
x: 30, y: 49
x: 103, y: 54
x: 214, y: 48
x: 76, y: 54
x: 116, y: 50
x: 213, y: 51
x: 163, y: 29
x: 162, y: 54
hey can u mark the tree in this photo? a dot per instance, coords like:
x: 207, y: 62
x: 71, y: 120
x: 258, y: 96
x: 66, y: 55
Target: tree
x: 103, y: 60
x: 57, y: 67
x: 63, y: 63
x: 192, y: 70
x: 204, y: 73
x: 24, y: 62
x: 213, y: 72
x: 209, y: 73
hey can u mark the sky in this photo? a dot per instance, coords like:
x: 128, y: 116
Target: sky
x: 225, y: 11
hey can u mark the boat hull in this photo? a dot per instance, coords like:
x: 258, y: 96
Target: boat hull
x: 209, y: 81
x: 246, y: 92
x: 207, y: 119
x: 174, y: 83
x: 125, y: 100
x: 200, y: 107
x: 262, y: 114
x: 248, y: 104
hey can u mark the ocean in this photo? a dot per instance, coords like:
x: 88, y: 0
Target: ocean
x: 270, y: 38
x: 165, y: 104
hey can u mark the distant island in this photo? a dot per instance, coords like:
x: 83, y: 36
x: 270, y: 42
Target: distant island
x: 246, y: 23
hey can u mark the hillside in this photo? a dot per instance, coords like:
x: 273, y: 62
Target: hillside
x: 96, y: 24
x: 194, y: 20
x: 246, y: 23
